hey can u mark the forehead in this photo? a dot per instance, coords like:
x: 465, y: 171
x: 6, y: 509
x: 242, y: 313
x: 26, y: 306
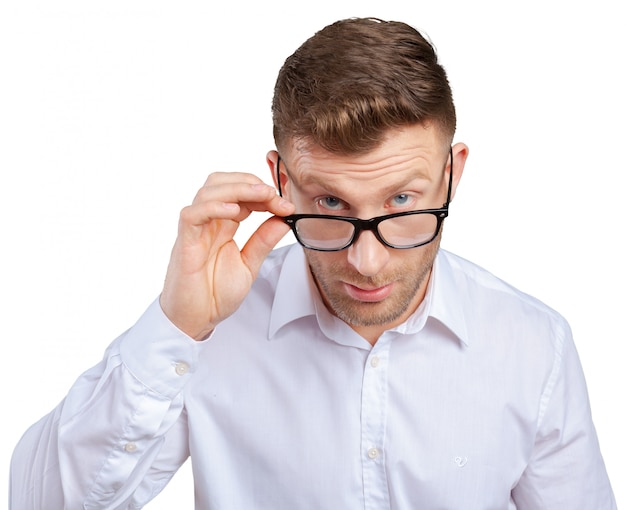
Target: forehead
x: 412, y: 152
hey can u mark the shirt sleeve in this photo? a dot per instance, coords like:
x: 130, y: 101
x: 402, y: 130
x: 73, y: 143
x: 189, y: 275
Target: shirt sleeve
x: 566, y: 469
x: 120, y: 434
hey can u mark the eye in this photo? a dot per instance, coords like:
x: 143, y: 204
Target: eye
x: 401, y: 200
x: 331, y: 203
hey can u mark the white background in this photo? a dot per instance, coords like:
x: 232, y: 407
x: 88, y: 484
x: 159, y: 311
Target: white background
x: 113, y: 113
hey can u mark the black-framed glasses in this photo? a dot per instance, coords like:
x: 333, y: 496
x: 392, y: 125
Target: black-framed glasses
x: 410, y: 229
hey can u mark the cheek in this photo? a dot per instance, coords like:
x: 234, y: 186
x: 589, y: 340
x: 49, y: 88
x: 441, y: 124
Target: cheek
x: 324, y: 265
x: 408, y: 264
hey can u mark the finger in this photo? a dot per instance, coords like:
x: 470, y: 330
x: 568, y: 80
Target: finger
x: 235, y: 187
x: 262, y: 242
x: 237, y: 192
x: 199, y: 214
x: 249, y: 197
x: 275, y: 204
x: 217, y: 178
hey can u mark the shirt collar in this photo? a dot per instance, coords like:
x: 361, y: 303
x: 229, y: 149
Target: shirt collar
x: 296, y: 296
x: 449, y: 297
x: 295, y: 291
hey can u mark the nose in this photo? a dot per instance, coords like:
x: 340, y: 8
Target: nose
x: 368, y: 255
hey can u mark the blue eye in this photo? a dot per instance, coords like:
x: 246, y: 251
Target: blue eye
x: 332, y: 203
x: 401, y: 199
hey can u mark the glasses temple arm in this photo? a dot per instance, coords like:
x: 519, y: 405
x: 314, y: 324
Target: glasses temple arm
x: 280, y: 191
x: 450, y: 181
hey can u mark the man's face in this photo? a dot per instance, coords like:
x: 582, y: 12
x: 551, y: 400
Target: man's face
x: 368, y: 285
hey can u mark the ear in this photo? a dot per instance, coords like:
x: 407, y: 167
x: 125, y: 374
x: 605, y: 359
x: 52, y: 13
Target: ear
x: 272, y: 161
x: 460, y: 151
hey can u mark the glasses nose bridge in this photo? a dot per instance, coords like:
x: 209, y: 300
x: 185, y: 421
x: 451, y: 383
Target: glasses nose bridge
x: 361, y: 225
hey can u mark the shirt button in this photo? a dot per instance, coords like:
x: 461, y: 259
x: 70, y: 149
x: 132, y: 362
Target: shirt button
x: 375, y: 361
x: 181, y: 368
x: 373, y: 453
x: 130, y: 447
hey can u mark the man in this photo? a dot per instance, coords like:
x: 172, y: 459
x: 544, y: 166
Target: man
x: 360, y: 368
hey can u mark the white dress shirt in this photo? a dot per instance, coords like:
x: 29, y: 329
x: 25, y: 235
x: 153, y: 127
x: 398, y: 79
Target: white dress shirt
x: 477, y: 402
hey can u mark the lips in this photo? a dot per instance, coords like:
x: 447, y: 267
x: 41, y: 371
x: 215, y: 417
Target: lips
x: 368, y: 295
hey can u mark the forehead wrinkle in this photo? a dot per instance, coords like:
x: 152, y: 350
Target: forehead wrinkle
x: 327, y: 185
x: 405, y: 156
x: 404, y: 177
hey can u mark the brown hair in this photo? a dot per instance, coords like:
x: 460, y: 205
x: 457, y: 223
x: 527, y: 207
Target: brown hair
x: 346, y: 86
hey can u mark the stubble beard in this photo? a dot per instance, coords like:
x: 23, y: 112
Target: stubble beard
x: 408, y: 280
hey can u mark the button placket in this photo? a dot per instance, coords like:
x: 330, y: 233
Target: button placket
x: 373, y: 423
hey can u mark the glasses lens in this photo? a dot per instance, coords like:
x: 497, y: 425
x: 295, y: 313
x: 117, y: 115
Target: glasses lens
x: 410, y: 230
x: 324, y: 233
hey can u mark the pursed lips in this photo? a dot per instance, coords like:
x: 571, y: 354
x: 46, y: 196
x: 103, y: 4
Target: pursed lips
x: 370, y: 295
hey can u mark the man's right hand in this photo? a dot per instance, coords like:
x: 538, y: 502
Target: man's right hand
x: 208, y: 276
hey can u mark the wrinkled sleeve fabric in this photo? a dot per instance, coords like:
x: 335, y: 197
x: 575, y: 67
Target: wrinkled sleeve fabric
x: 566, y: 469
x: 120, y: 434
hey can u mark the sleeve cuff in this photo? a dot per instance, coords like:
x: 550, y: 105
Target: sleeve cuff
x: 158, y: 354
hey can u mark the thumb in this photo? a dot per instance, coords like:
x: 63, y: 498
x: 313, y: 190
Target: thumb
x: 262, y: 242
